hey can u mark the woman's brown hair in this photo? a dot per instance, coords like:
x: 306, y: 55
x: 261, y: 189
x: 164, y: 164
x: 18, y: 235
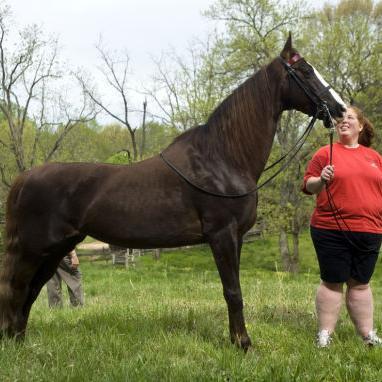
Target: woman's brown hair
x: 367, y: 134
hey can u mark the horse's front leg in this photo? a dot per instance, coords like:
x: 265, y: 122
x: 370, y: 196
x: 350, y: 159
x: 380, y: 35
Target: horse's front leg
x: 226, y: 247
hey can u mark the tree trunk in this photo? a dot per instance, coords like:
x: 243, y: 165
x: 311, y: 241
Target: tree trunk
x: 295, y: 260
x: 284, y: 248
x: 143, y: 140
x: 290, y: 260
x: 134, y: 144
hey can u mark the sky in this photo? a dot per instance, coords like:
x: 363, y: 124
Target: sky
x: 145, y: 28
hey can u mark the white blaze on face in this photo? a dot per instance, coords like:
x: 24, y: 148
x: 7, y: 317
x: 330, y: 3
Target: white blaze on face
x: 335, y: 95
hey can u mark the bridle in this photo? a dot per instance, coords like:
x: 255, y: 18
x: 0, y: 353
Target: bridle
x: 321, y: 107
x: 314, y: 96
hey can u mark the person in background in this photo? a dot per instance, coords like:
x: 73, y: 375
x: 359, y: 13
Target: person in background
x: 346, y: 225
x: 68, y: 272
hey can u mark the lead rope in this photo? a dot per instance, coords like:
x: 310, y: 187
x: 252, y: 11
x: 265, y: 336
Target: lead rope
x: 332, y: 205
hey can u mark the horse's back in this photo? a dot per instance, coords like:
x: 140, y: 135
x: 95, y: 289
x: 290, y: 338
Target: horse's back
x: 140, y: 205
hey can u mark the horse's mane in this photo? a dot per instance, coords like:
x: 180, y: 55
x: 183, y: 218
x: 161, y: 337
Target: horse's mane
x: 236, y: 124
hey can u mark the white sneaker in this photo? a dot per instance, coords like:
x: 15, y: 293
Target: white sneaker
x: 323, y: 338
x: 372, y: 339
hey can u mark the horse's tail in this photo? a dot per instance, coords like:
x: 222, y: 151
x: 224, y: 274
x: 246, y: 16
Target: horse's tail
x: 11, y: 229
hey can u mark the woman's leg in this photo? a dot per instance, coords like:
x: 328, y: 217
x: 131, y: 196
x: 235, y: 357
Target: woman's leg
x: 359, y: 302
x: 328, y: 305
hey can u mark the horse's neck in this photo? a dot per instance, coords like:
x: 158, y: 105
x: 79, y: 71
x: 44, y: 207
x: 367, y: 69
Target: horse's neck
x: 272, y: 114
x: 252, y: 122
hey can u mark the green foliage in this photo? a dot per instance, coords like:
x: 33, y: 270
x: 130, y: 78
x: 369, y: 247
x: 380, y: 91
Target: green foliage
x: 254, y: 31
x: 158, y: 136
x: 83, y: 144
x: 187, y: 89
x: 122, y: 157
x: 345, y: 44
x: 281, y: 203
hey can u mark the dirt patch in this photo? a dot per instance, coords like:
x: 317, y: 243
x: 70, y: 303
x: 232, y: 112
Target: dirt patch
x: 94, y: 246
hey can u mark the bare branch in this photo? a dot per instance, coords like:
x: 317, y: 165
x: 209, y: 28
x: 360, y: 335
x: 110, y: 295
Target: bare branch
x: 115, y: 73
x: 83, y: 117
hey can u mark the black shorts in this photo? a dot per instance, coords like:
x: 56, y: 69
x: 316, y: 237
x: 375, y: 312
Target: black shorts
x: 346, y: 255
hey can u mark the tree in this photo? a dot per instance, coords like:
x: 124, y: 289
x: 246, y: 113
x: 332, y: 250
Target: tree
x: 114, y: 69
x: 345, y: 42
x: 254, y: 30
x: 30, y: 102
x: 186, y: 89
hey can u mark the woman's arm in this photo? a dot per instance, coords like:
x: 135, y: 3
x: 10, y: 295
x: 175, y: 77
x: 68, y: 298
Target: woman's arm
x: 315, y: 184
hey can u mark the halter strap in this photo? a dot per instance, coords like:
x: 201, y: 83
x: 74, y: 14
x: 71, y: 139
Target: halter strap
x: 292, y: 73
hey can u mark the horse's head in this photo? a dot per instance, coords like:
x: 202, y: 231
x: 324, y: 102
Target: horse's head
x: 304, y: 89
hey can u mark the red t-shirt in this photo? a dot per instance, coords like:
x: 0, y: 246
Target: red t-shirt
x: 356, y: 189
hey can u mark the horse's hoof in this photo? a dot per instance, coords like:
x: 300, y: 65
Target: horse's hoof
x: 11, y: 334
x: 19, y: 336
x: 246, y: 344
x: 242, y: 342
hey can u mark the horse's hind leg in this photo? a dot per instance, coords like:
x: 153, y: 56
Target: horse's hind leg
x: 21, y: 280
x: 226, y: 247
x: 43, y: 274
x: 17, y: 272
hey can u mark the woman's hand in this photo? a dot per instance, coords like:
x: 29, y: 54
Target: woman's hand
x: 315, y: 184
x: 74, y: 259
x: 327, y: 174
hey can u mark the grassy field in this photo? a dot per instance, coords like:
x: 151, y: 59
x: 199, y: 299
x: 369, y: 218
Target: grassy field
x: 167, y: 320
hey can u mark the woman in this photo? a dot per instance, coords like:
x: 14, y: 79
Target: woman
x: 347, y: 242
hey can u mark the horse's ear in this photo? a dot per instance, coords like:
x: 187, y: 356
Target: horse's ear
x: 287, y: 51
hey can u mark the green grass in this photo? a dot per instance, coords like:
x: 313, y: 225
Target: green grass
x: 167, y: 320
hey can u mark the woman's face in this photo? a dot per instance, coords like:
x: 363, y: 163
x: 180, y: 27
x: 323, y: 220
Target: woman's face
x: 349, y: 128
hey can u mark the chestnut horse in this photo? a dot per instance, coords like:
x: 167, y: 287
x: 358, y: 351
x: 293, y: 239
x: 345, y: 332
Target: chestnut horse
x: 151, y: 204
